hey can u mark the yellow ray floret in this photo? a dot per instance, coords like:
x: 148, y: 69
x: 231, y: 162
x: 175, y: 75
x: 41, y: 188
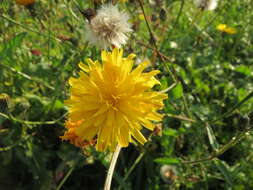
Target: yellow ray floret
x: 113, y: 101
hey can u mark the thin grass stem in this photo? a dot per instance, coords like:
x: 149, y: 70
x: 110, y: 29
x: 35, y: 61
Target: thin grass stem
x: 136, y: 162
x: 65, y: 178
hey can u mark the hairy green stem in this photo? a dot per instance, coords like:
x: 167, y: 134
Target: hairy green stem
x: 230, y: 111
x: 223, y: 149
x: 148, y: 26
x: 28, y: 77
x: 32, y: 122
x: 179, y: 13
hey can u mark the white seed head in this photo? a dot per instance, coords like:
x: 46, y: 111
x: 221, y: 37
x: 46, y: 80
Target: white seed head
x: 108, y: 27
x: 173, y: 45
x: 207, y: 4
x: 168, y: 173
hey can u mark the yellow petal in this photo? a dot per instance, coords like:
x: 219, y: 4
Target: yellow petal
x: 138, y: 136
x: 86, y: 133
x: 124, y: 136
x: 84, y: 67
x: 140, y: 68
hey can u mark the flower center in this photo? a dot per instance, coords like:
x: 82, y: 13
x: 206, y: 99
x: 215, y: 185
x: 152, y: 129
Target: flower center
x: 105, y: 28
x: 113, y: 102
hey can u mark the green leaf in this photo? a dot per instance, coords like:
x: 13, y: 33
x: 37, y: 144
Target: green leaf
x: 170, y: 132
x: 177, y: 92
x: 212, y: 139
x: 164, y: 83
x: 167, y: 160
x: 11, y: 46
x: 15, y: 42
x: 244, y: 70
x: 224, y: 169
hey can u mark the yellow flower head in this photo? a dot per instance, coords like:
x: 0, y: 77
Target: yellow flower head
x: 113, y: 101
x: 226, y: 29
x: 25, y: 2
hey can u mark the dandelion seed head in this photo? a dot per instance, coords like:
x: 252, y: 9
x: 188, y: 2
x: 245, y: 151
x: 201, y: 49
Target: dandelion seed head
x: 207, y: 4
x: 109, y: 27
x: 168, y: 173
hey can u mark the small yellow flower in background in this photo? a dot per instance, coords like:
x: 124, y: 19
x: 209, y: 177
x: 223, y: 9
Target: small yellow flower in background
x: 226, y: 29
x: 221, y: 27
x: 113, y: 101
x: 25, y: 2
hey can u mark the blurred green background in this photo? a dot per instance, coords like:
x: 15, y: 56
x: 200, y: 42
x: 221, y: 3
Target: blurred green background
x: 205, y: 140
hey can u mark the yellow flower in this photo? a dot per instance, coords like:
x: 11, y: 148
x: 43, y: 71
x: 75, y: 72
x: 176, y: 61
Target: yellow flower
x: 113, y: 101
x: 71, y: 136
x: 25, y: 2
x: 226, y: 29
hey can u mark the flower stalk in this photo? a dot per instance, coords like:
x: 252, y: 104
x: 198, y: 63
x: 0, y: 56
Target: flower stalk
x: 108, y: 180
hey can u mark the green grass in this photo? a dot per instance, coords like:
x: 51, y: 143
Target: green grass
x: 205, y: 135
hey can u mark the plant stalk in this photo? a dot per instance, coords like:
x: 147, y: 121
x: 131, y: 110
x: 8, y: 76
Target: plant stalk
x: 108, y: 180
